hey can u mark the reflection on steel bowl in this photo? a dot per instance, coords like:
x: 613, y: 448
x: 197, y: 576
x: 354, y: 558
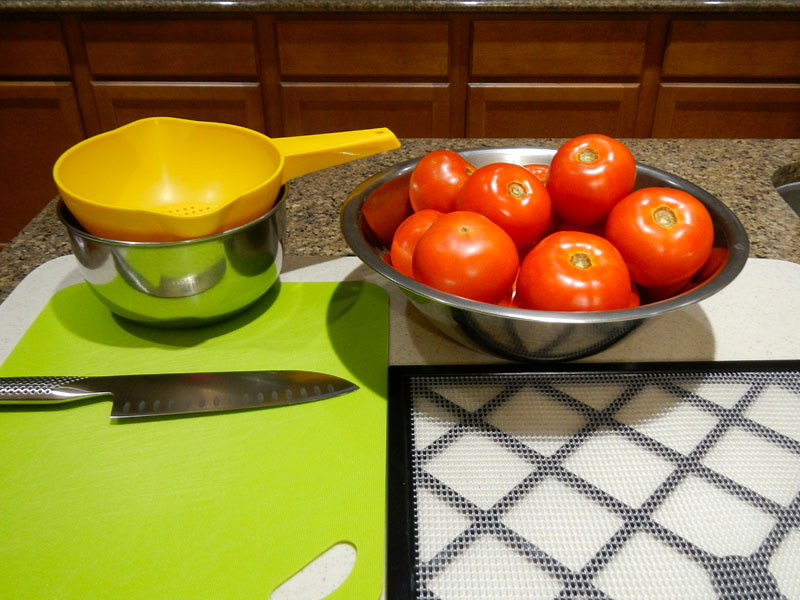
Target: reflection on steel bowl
x: 530, y: 335
x: 185, y: 283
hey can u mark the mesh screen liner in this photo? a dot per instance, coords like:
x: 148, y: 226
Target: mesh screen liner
x: 613, y: 484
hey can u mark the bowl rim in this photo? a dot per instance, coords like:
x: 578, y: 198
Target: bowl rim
x: 738, y: 249
x: 73, y: 225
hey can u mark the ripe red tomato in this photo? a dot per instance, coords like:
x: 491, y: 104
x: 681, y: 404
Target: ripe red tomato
x: 512, y: 197
x: 508, y: 300
x: 466, y: 254
x: 636, y: 299
x: 553, y: 225
x: 406, y: 238
x: 386, y: 207
x: 574, y: 271
x: 656, y: 294
x: 716, y: 260
x: 589, y: 174
x: 541, y: 171
x: 437, y: 179
x: 664, y: 234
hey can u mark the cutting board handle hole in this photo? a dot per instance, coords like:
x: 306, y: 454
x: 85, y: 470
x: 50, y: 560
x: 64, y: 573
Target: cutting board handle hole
x: 321, y: 577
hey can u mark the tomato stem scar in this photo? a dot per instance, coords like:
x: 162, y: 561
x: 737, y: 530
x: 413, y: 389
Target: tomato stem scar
x: 516, y: 189
x: 588, y: 155
x: 580, y: 260
x: 665, y: 217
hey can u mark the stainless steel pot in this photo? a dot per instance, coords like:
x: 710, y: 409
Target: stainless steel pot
x: 529, y: 335
x: 184, y: 283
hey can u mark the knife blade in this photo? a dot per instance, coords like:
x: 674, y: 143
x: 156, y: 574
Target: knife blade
x: 178, y: 393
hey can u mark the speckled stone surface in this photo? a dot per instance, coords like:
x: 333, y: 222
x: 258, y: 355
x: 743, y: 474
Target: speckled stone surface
x: 738, y: 172
x: 397, y: 5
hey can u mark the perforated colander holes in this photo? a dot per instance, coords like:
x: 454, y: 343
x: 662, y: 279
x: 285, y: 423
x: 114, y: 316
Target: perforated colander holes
x: 189, y: 211
x: 35, y: 386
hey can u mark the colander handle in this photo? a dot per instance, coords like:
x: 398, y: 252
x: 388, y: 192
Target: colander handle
x: 308, y: 153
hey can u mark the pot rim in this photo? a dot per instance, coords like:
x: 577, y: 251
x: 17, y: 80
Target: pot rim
x: 71, y: 223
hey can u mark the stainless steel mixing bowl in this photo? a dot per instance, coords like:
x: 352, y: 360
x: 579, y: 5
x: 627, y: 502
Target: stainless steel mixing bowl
x: 184, y: 283
x: 529, y: 335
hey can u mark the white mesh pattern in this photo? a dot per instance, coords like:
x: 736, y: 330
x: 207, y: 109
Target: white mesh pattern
x: 607, y: 485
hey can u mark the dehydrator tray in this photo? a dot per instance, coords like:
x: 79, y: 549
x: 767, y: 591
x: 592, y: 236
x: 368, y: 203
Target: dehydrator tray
x: 608, y: 481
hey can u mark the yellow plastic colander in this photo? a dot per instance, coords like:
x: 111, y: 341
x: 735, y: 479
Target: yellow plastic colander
x: 167, y: 179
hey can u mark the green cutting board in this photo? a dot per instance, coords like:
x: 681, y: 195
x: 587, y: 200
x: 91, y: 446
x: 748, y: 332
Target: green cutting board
x: 227, y: 505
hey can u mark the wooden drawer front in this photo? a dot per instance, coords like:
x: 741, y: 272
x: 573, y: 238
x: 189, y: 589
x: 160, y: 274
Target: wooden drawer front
x: 544, y: 110
x: 33, y: 48
x: 363, y: 49
x: 238, y: 104
x: 733, y: 49
x: 727, y: 111
x: 558, y: 48
x: 171, y: 48
x: 27, y: 110
x: 409, y: 110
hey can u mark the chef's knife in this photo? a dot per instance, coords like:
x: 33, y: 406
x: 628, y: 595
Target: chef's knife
x: 178, y: 393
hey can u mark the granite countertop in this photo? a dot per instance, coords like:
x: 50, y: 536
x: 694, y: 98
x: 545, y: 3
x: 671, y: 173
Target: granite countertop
x: 741, y: 173
x: 411, y: 6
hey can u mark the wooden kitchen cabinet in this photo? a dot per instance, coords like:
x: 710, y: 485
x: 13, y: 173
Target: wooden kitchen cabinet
x: 558, y: 48
x: 727, y: 110
x: 737, y: 48
x: 38, y: 121
x: 171, y: 48
x: 33, y: 49
x: 119, y: 103
x: 555, y: 78
x: 364, y: 49
x: 194, y: 69
x: 534, y: 110
x: 357, y: 74
x: 730, y: 79
x: 39, y: 117
x: 409, y: 110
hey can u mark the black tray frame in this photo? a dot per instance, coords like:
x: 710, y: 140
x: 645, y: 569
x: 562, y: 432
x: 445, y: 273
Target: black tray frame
x: 401, y: 526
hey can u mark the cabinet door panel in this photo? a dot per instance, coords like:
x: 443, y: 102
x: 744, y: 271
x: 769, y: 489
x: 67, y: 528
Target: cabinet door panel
x: 727, y: 111
x: 549, y: 110
x: 363, y: 48
x: 32, y: 48
x: 27, y: 154
x: 121, y: 103
x: 170, y: 48
x: 558, y: 48
x: 409, y: 110
x: 733, y: 49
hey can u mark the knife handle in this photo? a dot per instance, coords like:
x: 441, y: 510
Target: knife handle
x: 47, y: 390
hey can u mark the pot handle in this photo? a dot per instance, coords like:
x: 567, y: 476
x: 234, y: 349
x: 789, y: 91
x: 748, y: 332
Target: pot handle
x: 308, y: 153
